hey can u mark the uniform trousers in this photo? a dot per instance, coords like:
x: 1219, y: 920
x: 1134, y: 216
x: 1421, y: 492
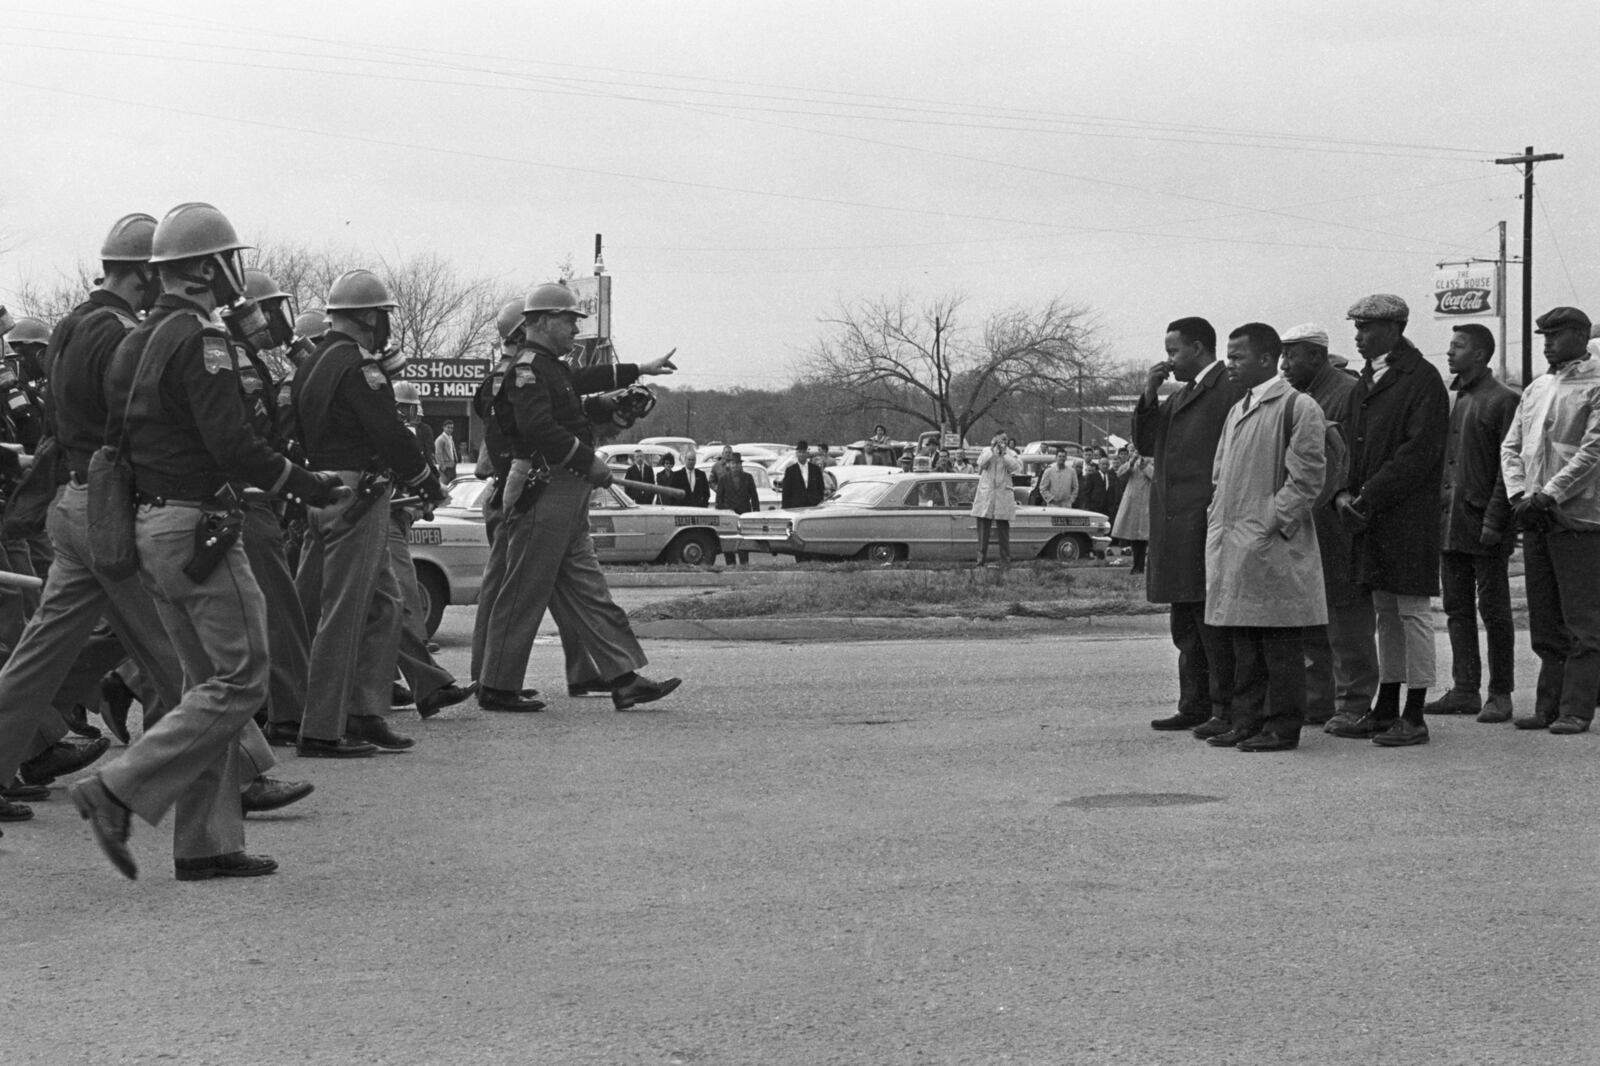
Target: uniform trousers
x: 1405, y: 639
x: 189, y: 759
x: 1342, y: 660
x: 1474, y: 584
x: 57, y: 641
x: 1269, y: 692
x: 1205, y: 663
x: 346, y: 579
x: 423, y: 675
x: 287, y: 636
x: 551, y: 564
x: 494, y: 572
x: 1563, y: 582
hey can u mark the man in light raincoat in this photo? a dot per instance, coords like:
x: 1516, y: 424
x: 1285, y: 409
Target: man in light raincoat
x: 1263, y: 567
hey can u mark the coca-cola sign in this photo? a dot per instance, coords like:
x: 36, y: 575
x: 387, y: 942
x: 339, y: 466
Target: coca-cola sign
x: 1464, y: 290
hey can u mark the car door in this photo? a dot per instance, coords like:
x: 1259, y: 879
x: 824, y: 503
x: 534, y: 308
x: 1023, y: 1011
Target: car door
x: 617, y: 526
x: 925, y: 520
x: 963, y: 527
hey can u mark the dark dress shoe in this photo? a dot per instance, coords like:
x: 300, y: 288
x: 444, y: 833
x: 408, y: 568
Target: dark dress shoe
x: 1532, y: 721
x: 1364, y: 728
x: 14, y: 812
x: 1211, y: 727
x: 374, y: 729
x: 78, y: 722
x: 1569, y: 724
x: 642, y: 690
x: 1231, y: 737
x: 1454, y: 702
x: 1267, y: 740
x: 343, y: 748
x: 233, y: 864
x: 282, y: 734
x: 400, y: 696
x: 268, y: 794
x: 17, y: 790
x: 440, y: 698
x: 1179, y: 721
x: 1402, y: 734
x: 108, y: 820
x: 116, y: 699
x: 589, y: 688
x: 61, y: 758
x: 497, y: 699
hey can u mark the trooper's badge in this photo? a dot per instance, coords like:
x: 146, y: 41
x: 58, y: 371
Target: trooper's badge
x: 375, y: 376
x: 217, y: 356
x: 525, y: 376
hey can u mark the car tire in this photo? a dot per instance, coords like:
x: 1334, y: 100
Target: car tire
x: 884, y: 553
x: 435, y: 596
x: 1067, y: 548
x: 697, y: 548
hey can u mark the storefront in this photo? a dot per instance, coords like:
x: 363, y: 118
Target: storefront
x: 447, y: 387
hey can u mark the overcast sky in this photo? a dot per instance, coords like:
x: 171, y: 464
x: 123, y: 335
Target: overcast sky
x: 753, y: 164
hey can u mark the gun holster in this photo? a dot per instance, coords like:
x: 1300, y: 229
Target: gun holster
x: 214, y: 534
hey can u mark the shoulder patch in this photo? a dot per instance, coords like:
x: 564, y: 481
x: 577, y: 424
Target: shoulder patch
x: 525, y: 376
x: 375, y: 376
x: 217, y: 354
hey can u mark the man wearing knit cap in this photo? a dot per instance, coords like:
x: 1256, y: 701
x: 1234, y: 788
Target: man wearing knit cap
x: 1341, y: 657
x: 1399, y: 414
x: 1551, y: 462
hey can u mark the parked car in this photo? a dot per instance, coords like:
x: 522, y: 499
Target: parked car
x: 834, y: 476
x: 450, y: 550
x: 918, y: 516
x: 771, y: 499
x: 685, y: 447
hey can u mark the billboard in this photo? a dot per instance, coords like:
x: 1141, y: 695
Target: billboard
x: 594, y: 299
x: 1465, y: 290
x: 446, y: 379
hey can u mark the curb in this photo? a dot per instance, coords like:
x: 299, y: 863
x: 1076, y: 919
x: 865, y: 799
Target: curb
x: 823, y: 630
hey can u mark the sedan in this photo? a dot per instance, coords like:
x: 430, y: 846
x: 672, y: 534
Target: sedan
x: 450, y: 550
x: 918, y: 516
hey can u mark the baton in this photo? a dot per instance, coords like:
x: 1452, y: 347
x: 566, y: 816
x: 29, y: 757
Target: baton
x: 645, y: 486
x: 25, y: 582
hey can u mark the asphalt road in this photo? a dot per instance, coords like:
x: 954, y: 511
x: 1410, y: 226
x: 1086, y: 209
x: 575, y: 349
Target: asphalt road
x: 913, y: 852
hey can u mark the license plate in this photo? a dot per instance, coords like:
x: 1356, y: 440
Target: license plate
x: 425, y: 535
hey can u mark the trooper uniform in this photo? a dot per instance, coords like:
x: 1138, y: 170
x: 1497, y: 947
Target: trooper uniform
x: 499, y: 447
x: 345, y: 409
x: 549, y: 555
x: 174, y: 401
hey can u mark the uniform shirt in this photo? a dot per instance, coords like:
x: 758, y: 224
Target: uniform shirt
x: 78, y: 358
x: 540, y: 405
x: 346, y: 411
x: 498, y: 443
x: 1553, y: 445
x: 188, y: 432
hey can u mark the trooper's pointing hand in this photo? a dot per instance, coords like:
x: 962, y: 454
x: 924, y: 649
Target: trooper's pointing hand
x: 664, y: 365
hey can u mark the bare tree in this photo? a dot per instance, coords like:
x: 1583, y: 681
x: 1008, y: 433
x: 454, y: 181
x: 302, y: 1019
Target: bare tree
x: 925, y: 363
x: 50, y: 299
x: 440, y: 315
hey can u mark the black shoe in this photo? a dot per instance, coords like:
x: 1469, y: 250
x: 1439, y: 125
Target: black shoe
x: 400, y: 696
x: 642, y: 690
x: 268, y: 794
x: 108, y: 820
x: 78, y: 722
x: 439, y: 699
x: 282, y: 734
x: 1364, y: 728
x: 589, y: 688
x: 1179, y: 721
x: 343, y: 748
x: 1267, y: 740
x: 116, y: 699
x: 1236, y: 735
x: 61, y: 758
x: 1536, y: 720
x: 17, y: 790
x: 233, y: 864
x: 1454, y: 701
x: 374, y: 729
x: 1211, y: 727
x: 14, y: 812
x: 1402, y: 734
x: 495, y: 699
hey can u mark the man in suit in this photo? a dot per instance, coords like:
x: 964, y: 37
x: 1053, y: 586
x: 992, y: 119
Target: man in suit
x: 1181, y: 433
x: 640, y: 470
x: 1093, y: 492
x: 696, y: 489
x: 736, y: 492
x: 802, y: 482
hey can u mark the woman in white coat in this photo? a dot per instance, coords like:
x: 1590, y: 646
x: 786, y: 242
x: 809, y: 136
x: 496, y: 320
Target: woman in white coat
x: 995, y: 502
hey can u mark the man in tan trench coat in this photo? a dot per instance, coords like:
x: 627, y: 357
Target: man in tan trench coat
x: 1263, y: 567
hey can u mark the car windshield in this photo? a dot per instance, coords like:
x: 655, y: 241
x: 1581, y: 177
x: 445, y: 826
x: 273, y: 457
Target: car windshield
x: 858, y: 494
x: 467, y: 492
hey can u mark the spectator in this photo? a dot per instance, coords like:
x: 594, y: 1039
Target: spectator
x: 736, y: 492
x: 1133, y: 513
x: 994, y: 502
x: 445, y: 453
x: 802, y: 482
x: 822, y: 457
x: 694, y: 485
x: 1093, y: 492
x: 1058, y: 484
x: 639, y: 470
x: 1114, y: 484
x: 1549, y: 459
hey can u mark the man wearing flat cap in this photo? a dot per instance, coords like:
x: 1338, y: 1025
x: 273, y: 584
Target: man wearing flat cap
x: 1341, y: 657
x: 1551, y: 463
x: 1398, y: 420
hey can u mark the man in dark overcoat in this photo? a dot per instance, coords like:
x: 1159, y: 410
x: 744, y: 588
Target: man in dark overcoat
x: 1181, y: 433
x: 1399, y: 418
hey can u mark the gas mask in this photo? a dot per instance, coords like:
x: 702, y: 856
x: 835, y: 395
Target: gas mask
x: 30, y: 363
x: 630, y: 404
x: 260, y: 326
x: 8, y: 374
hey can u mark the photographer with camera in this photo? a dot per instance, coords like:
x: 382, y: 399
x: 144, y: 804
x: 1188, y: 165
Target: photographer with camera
x: 994, y: 503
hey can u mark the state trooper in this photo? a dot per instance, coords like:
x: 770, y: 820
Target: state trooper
x: 175, y: 410
x: 345, y: 409
x: 549, y: 555
x: 22, y: 382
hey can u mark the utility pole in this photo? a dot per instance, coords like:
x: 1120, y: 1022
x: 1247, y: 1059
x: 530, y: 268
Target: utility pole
x: 1500, y: 287
x: 1526, y: 160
